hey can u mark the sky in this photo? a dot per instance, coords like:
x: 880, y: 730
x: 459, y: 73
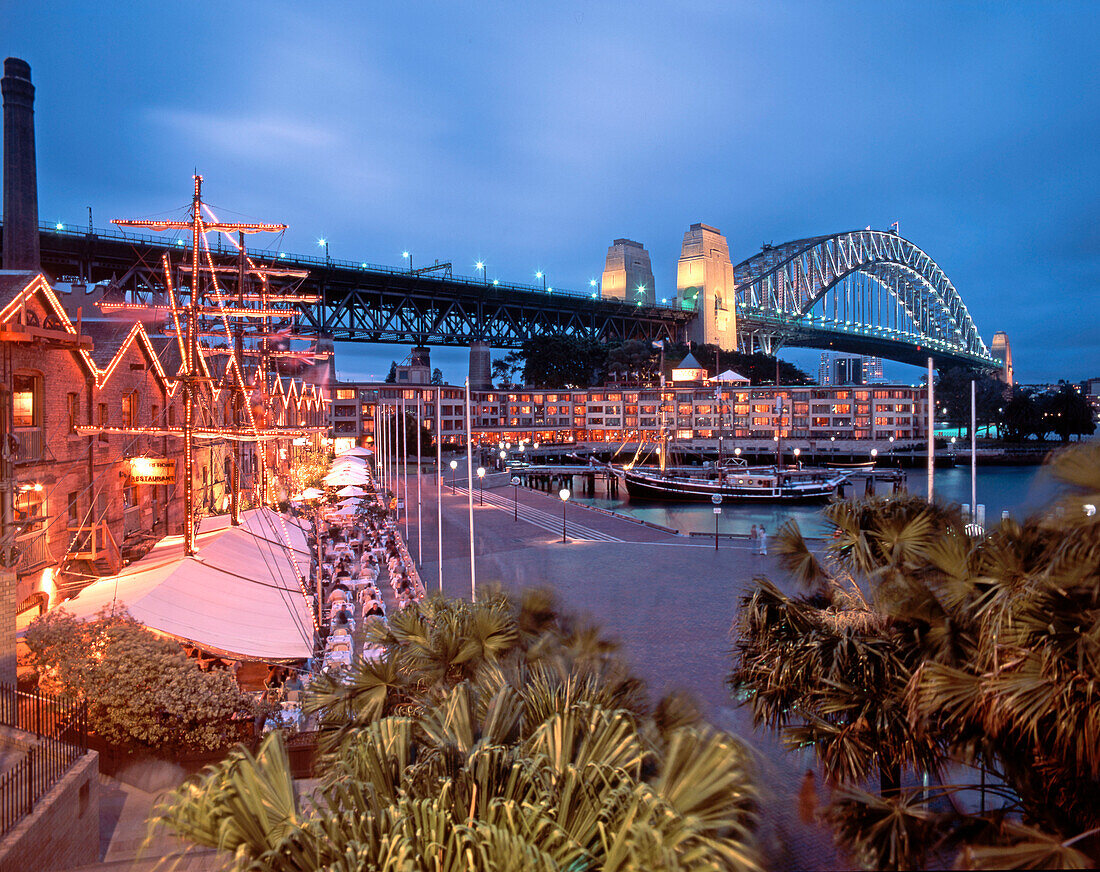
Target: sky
x: 529, y: 136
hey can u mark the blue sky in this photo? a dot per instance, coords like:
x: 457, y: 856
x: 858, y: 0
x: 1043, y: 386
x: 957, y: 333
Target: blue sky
x: 531, y: 135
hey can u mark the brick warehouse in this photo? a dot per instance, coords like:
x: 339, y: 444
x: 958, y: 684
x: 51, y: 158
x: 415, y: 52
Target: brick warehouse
x: 77, y: 510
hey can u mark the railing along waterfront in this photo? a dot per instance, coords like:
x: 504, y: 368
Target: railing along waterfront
x: 60, y: 728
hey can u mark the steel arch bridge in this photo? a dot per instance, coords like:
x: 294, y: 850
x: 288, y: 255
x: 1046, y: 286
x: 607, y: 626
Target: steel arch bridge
x: 864, y: 291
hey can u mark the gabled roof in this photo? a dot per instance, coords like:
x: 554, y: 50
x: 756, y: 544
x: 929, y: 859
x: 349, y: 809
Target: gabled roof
x: 689, y: 362
x: 731, y: 376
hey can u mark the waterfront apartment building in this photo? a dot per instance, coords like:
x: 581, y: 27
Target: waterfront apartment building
x: 616, y: 415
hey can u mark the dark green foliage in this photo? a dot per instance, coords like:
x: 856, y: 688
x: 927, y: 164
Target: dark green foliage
x: 953, y: 393
x: 391, y: 376
x: 922, y: 650
x: 490, y: 736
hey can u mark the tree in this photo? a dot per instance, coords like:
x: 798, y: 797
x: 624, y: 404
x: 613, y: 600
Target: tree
x: 437, y: 376
x: 919, y: 649
x: 953, y: 393
x: 142, y: 692
x: 1022, y: 416
x: 1067, y: 413
x: 487, y: 737
x: 562, y: 362
x: 633, y: 360
x: 391, y: 376
x: 309, y: 469
x: 503, y: 373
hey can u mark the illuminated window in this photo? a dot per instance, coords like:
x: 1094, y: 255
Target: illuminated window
x: 26, y: 399
x: 345, y: 393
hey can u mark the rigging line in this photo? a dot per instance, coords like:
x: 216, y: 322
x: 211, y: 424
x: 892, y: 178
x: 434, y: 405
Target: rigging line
x: 236, y: 365
x: 307, y: 636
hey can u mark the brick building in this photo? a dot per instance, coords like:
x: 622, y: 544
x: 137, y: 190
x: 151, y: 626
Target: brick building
x: 84, y: 404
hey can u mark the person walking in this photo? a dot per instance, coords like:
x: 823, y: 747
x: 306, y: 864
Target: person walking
x: 754, y: 543
x: 763, y: 541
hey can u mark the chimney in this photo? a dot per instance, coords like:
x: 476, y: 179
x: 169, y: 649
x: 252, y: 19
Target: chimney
x: 21, y: 250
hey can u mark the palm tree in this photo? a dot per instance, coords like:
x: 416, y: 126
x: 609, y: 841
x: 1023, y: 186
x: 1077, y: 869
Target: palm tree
x: 920, y: 648
x: 525, y: 748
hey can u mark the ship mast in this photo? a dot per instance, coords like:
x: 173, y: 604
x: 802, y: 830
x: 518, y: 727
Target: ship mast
x: 191, y: 378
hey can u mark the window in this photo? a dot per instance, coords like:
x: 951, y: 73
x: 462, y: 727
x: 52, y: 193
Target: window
x: 345, y: 394
x: 73, y: 407
x: 26, y: 400
x: 130, y: 410
x: 74, y: 508
x: 101, y: 420
x: 154, y: 414
x: 171, y: 416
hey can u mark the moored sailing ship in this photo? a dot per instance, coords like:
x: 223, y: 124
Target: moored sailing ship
x: 733, y: 481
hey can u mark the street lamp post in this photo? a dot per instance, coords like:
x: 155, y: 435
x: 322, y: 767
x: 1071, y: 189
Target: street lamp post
x: 564, y: 494
x: 541, y: 275
x: 454, y: 466
x: 408, y: 256
x: 515, y: 497
x: 797, y: 452
x: 717, y: 500
x: 481, y: 485
x: 324, y: 244
x: 480, y: 265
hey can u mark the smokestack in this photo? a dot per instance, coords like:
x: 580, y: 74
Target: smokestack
x: 21, y: 250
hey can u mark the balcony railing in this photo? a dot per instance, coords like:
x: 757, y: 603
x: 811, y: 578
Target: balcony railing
x: 33, y: 551
x: 32, y: 444
x: 95, y: 542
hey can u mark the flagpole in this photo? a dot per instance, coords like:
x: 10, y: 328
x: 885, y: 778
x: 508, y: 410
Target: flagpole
x: 439, y: 481
x: 470, y: 492
x: 405, y: 464
x: 419, y: 520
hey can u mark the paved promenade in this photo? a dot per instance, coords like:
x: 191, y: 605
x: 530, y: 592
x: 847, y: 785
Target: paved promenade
x: 670, y: 601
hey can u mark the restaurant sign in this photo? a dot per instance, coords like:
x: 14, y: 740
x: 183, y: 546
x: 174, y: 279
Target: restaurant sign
x: 152, y: 470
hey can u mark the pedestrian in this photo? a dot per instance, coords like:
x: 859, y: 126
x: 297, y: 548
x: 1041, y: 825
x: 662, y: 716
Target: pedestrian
x: 763, y: 541
x: 754, y: 536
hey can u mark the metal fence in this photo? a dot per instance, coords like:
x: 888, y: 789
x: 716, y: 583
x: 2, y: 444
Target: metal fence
x: 60, y: 728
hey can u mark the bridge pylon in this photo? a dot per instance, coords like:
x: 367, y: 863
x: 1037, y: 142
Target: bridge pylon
x: 704, y: 285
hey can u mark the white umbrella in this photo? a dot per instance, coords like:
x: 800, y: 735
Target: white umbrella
x: 357, y: 452
x: 351, y: 491
x: 345, y: 512
x: 310, y: 493
x: 350, y: 461
x: 340, y: 479
x: 350, y: 501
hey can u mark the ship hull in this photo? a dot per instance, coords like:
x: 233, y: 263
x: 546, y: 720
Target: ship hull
x: 669, y: 489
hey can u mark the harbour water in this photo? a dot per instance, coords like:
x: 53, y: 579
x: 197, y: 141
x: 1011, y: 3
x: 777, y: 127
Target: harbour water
x: 1019, y: 490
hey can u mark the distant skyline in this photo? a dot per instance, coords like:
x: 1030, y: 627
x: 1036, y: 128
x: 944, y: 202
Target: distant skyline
x: 530, y: 137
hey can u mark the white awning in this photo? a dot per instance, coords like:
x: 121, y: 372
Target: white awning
x: 239, y: 595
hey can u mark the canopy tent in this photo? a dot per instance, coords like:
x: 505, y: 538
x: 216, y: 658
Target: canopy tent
x: 240, y: 595
x: 730, y: 376
x: 351, y: 491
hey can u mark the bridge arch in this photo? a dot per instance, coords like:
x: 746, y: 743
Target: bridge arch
x: 852, y: 291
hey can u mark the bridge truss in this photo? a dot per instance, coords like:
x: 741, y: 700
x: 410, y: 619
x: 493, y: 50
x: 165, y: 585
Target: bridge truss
x: 866, y: 292
x: 361, y: 302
